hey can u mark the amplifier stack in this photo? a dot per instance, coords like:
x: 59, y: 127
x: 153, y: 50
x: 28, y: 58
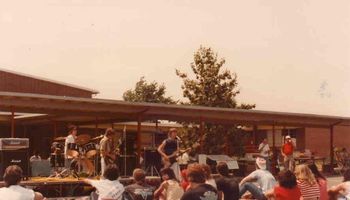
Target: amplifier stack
x: 14, y: 151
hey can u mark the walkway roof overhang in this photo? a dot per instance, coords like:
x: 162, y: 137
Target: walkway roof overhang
x: 90, y: 110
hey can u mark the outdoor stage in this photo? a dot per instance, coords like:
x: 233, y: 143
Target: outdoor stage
x: 71, y: 187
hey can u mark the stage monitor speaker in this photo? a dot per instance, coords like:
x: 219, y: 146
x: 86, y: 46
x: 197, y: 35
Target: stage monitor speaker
x: 127, y: 164
x: 14, y: 157
x: 213, y: 160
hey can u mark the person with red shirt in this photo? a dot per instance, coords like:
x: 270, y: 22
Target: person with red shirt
x: 287, y: 152
x: 287, y: 188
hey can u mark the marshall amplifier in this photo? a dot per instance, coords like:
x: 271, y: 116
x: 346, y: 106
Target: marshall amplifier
x: 14, y: 157
x: 14, y: 151
x: 14, y: 143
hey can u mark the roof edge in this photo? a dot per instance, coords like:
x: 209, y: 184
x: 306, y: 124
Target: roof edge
x: 50, y: 80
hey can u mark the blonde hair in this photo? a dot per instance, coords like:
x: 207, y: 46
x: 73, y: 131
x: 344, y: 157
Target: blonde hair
x: 303, y: 173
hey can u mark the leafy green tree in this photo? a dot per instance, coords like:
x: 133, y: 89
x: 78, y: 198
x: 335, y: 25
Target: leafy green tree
x: 148, y: 92
x: 213, y: 86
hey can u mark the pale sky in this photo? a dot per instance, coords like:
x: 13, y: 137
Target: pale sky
x: 290, y: 56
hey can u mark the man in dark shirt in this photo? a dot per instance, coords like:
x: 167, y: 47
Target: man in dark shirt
x: 198, y: 189
x: 226, y: 184
x: 139, y: 190
x: 169, y: 150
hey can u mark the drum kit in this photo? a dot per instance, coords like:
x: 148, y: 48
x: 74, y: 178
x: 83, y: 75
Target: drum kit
x: 83, y: 154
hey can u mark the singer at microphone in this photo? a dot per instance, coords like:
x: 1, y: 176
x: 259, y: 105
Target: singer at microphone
x: 169, y: 151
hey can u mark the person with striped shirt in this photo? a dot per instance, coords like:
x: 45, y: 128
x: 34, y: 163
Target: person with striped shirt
x: 307, y: 183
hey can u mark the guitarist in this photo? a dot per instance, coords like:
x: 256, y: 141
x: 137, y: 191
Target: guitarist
x: 169, y: 150
x: 107, y: 153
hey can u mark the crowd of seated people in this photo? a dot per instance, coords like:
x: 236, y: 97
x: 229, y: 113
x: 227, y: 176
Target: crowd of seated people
x: 305, y: 183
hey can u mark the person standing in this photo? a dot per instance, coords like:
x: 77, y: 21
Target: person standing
x: 287, y: 151
x: 264, y: 150
x: 108, y: 156
x: 169, y: 150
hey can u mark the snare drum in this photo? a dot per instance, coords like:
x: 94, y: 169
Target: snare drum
x: 73, y: 150
x: 90, y: 149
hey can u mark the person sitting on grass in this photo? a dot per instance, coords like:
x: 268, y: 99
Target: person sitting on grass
x: 109, y: 187
x: 227, y: 185
x: 287, y: 189
x: 321, y: 180
x: 198, y: 190
x: 12, y: 190
x: 307, y: 182
x: 140, y: 190
x: 170, y: 188
x: 342, y: 190
x: 262, y: 177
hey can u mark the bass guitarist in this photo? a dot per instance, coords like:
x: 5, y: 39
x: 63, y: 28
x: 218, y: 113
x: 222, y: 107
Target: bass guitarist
x: 107, y: 150
x: 169, y: 150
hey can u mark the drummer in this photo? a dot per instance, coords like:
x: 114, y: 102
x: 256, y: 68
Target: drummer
x: 72, y: 134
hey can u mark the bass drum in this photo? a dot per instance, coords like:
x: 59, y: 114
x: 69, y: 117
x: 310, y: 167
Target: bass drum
x: 73, y: 150
x: 90, y: 150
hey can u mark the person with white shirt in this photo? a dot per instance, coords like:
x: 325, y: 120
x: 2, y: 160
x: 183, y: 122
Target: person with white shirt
x: 13, y: 190
x: 72, y: 134
x: 264, y: 150
x: 35, y: 157
x: 109, y: 187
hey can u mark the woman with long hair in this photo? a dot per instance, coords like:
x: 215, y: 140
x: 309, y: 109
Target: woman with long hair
x: 321, y: 180
x: 307, y: 183
x: 170, y: 188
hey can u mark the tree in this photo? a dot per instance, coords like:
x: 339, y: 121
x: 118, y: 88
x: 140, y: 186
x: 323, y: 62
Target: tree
x: 213, y: 86
x: 148, y: 92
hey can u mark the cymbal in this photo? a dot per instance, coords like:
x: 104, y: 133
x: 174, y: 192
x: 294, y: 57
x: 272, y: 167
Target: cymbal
x: 82, y: 139
x: 59, y: 138
x: 98, y: 137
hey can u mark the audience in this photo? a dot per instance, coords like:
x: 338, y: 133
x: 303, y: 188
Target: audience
x: 321, y: 180
x: 342, y: 190
x: 227, y: 186
x: 307, y: 182
x: 208, y: 178
x: 264, y: 179
x: 109, y: 187
x: 198, y: 189
x: 140, y: 190
x: 12, y: 190
x: 287, y: 189
x: 170, y: 188
x: 184, y: 183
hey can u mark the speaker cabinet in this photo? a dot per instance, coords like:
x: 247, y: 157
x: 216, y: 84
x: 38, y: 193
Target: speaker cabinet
x: 14, y: 157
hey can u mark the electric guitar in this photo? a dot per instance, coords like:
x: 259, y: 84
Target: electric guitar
x: 111, y: 157
x: 171, y: 159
